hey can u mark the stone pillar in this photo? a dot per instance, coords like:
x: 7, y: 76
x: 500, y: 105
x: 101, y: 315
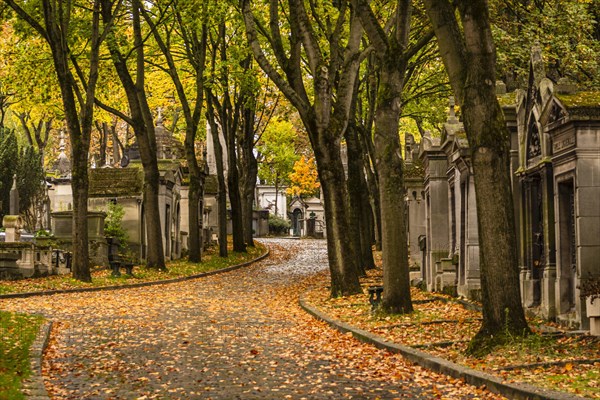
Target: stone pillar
x: 473, y: 273
x: 587, y: 212
x: 436, y: 187
x: 14, y: 198
x: 416, y: 218
x: 548, y: 278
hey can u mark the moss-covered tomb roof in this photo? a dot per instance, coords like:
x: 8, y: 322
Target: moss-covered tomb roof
x: 116, y: 182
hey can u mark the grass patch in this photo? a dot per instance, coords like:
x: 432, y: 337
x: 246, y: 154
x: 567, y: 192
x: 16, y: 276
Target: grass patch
x: 102, y: 276
x: 17, y: 332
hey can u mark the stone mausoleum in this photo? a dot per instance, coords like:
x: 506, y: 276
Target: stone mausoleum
x: 555, y: 167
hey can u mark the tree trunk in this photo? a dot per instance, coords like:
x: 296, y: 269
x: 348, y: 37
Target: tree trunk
x: 359, y: 198
x: 490, y: 157
x: 116, y: 147
x: 392, y: 54
x: 325, y: 115
x: 354, y: 195
x: 222, y: 193
x: 235, y: 200
x: 196, y: 56
x: 79, y: 186
x: 396, y: 280
x: 373, y: 185
x: 79, y: 117
x: 195, y: 235
x: 143, y: 126
x: 341, y: 252
x: 470, y: 59
x: 250, y: 172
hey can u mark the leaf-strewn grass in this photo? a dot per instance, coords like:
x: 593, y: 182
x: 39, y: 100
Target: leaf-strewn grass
x: 17, y: 332
x: 442, y: 326
x: 102, y: 276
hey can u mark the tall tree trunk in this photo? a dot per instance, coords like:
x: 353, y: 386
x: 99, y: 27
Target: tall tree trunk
x: 235, y: 200
x: 470, y: 59
x: 372, y: 184
x: 332, y: 73
x: 392, y: 55
x: 116, y: 143
x: 354, y: 195
x: 250, y: 173
x: 357, y: 192
x: 341, y: 251
x: 102, y: 129
x: 143, y: 126
x: 196, y: 45
x: 222, y: 194
x: 79, y: 116
x: 196, y: 196
x: 79, y: 187
x: 396, y: 281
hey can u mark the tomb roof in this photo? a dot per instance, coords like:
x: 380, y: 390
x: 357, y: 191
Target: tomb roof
x: 590, y: 99
x: 116, y: 182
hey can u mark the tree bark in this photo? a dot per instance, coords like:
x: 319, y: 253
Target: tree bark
x: 79, y: 117
x: 222, y: 194
x: 325, y: 117
x: 357, y: 191
x: 143, y: 126
x: 249, y: 172
x: 392, y: 55
x: 196, y: 56
x: 341, y: 252
x: 229, y: 116
x: 470, y: 59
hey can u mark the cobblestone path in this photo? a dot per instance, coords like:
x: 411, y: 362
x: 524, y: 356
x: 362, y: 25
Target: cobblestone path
x: 238, y: 335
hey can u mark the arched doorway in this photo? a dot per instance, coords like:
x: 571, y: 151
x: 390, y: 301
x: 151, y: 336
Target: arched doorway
x: 297, y: 222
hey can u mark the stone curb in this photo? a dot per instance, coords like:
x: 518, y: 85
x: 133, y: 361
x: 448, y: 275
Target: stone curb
x: 33, y: 387
x: 134, y: 285
x: 520, y: 391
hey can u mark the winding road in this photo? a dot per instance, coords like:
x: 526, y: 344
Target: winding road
x: 237, y: 335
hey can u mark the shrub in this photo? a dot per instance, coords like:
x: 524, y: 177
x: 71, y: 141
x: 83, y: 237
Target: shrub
x: 278, y: 225
x: 113, y: 223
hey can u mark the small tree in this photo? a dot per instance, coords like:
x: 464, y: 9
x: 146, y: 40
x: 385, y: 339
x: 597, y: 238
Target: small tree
x: 8, y: 154
x: 304, y: 180
x: 113, y: 224
x: 30, y: 184
x: 26, y: 164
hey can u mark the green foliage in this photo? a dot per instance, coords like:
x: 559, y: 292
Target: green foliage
x: 278, y: 225
x: 9, y: 152
x: 42, y: 233
x: 30, y: 183
x: 26, y: 164
x: 567, y: 33
x: 18, y: 331
x: 277, y: 153
x: 113, y: 226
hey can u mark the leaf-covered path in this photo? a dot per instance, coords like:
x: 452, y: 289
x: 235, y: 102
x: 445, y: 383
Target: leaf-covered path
x: 235, y: 335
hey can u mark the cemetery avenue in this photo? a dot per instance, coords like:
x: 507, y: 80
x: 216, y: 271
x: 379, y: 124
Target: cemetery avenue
x: 233, y: 335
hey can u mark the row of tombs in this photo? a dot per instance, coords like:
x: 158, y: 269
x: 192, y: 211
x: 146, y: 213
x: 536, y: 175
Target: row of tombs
x: 23, y: 256
x: 555, y: 169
